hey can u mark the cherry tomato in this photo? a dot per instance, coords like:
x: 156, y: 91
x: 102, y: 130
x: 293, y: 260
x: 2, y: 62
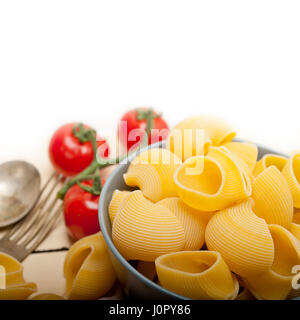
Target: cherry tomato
x: 81, y: 212
x: 68, y: 155
x: 133, y: 133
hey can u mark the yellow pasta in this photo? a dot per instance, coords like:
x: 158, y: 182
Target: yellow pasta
x: 193, y: 221
x: 205, y: 188
x: 115, y: 203
x: 152, y: 171
x: 197, y: 275
x: 242, y: 238
x: 88, y: 270
x: 147, y: 269
x: 240, y: 163
x: 272, y: 197
x: 188, y: 142
x: 291, y: 172
x: 194, y: 136
x: 269, y: 160
x: 218, y: 130
x: 276, y: 283
x: 14, y: 287
x: 221, y: 182
x: 294, y: 227
x: 143, y: 230
x: 296, y: 217
x: 46, y: 296
x: 245, y: 151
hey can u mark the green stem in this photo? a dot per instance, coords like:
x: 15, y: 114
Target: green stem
x: 82, y: 176
x: 92, y: 171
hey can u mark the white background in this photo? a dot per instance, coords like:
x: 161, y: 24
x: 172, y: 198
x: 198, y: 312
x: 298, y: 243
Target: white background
x: 90, y: 61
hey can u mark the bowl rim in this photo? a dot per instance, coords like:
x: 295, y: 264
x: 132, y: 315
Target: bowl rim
x: 107, y: 237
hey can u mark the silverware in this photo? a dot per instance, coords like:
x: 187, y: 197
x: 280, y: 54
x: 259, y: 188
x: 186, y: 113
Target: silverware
x: 19, y: 190
x: 25, y: 236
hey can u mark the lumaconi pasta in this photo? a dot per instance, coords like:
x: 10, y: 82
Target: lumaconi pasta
x: 272, y: 197
x: 115, y: 203
x: 88, y: 270
x: 16, y: 288
x: 247, y: 152
x: 197, y: 275
x: 296, y: 217
x: 46, y: 296
x: 185, y: 136
x: 269, y: 160
x: 193, y: 221
x: 218, y: 130
x: 143, y: 230
x: 221, y: 183
x: 188, y: 142
x: 219, y: 221
x: 294, y: 227
x: 276, y: 283
x: 291, y: 171
x: 152, y: 171
x: 242, y: 238
x: 240, y: 163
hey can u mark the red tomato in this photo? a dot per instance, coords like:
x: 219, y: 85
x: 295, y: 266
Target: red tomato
x: 131, y: 135
x: 68, y: 155
x: 81, y: 212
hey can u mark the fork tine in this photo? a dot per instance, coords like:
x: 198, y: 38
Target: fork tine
x: 20, y: 229
x: 35, y: 221
x: 46, y: 230
x: 27, y: 237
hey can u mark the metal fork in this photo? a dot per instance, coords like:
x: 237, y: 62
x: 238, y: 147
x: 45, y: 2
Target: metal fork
x: 25, y: 236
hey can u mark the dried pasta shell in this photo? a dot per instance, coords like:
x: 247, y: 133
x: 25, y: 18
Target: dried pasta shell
x: 269, y: 160
x: 244, y: 168
x: 14, y: 287
x: 194, y: 136
x: 220, y: 183
x: 296, y: 217
x: 152, y: 171
x: 147, y: 269
x: 88, y: 270
x: 294, y: 228
x: 144, y: 231
x: 218, y: 130
x: 188, y: 142
x: 193, y: 221
x: 47, y: 296
x: 291, y: 172
x: 201, y: 275
x: 242, y: 238
x: 247, y: 152
x: 115, y: 203
x: 276, y: 283
x: 272, y: 197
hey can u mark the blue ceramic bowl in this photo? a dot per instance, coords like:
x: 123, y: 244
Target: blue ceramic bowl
x: 134, y: 284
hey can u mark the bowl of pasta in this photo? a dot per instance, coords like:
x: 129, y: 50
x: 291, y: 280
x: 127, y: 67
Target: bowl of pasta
x: 217, y: 222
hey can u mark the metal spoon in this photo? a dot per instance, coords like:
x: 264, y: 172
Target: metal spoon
x: 20, y: 184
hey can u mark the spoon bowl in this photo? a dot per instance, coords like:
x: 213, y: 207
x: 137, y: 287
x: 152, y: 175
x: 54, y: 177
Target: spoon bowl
x: 20, y: 184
